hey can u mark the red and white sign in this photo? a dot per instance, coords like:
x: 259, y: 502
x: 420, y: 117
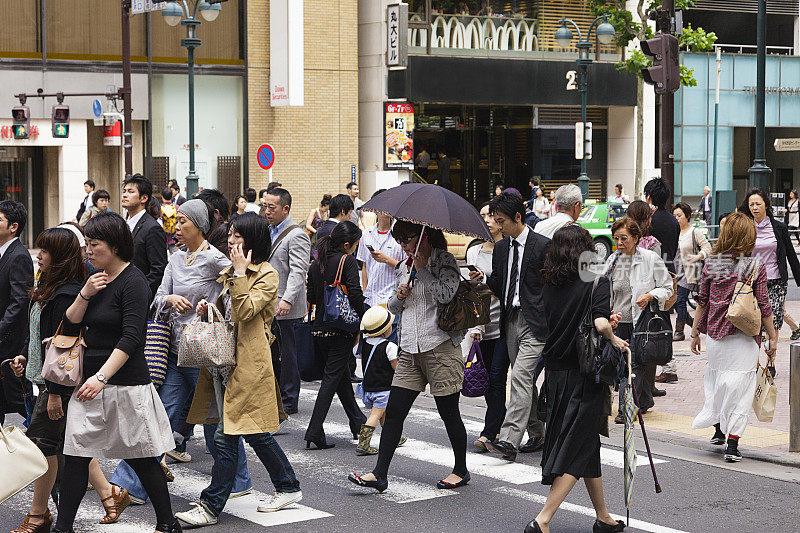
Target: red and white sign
x: 265, y: 156
x: 112, y: 135
x: 286, y: 53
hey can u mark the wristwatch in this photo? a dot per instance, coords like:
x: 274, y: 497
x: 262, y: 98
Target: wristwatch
x: 101, y: 378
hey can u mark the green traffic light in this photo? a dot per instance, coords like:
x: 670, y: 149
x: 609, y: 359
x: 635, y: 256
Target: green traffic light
x: 60, y: 130
x: 19, y: 131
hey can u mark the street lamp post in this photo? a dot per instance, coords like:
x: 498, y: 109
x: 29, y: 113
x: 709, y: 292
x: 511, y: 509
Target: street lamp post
x: 760, y: 173
x: 563, y: 36
x: 174, y: 14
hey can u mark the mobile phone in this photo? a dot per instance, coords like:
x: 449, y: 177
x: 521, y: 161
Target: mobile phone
x: 370, y: 248
x: 472, y: 268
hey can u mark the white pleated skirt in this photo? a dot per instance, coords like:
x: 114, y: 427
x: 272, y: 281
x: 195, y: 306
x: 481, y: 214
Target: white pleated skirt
x: 730, y: 383
x: 122, y: 422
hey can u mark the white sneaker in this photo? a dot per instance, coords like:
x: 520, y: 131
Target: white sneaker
x: 280, y: 500
x: 197, y: 516
x: 244, y: 492
x: 180, y: 457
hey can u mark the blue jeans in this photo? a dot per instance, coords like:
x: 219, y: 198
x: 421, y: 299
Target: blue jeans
x: 176, y: 391
x: 216, y: 495
x: 680, y: 304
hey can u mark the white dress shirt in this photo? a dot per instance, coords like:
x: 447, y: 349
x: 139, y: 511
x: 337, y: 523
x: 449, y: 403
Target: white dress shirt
x: 553, y: 224
x: 5, y: 247
x: 520, y: 239
x: 132, y: 221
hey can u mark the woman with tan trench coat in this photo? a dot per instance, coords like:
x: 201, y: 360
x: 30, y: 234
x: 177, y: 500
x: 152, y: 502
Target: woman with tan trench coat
x: 250, y: 406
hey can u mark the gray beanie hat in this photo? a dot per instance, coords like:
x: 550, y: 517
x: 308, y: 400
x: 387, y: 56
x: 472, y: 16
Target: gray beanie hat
x: 197, y: 212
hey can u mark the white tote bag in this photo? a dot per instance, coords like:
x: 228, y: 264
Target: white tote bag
x: 21, y: 462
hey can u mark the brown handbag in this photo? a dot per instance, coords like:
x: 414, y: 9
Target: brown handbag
x: 469, y: 307
x: 63, y: 359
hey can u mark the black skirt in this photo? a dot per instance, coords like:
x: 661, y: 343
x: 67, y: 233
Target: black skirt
x: 47, y: 434
x: 574, y: 420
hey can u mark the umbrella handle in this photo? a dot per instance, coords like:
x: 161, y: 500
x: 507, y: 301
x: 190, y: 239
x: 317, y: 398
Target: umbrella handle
x: 630, y: 367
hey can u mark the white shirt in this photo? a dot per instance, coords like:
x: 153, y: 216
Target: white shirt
x: 553, y: 224
x: 4, y: 248
x: 380, y: 277
x: 87, y: 202
x: 132, y: 221
x: 391, y: 348
x: 521, y: 239
x: 252, y: 208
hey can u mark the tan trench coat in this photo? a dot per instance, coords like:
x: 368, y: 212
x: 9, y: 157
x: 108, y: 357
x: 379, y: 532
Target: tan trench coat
x: 250, y: 403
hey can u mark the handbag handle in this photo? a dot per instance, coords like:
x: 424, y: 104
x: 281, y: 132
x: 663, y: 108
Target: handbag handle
x: 338, y: 279
x: 9, y: 446
x: 475, y: 352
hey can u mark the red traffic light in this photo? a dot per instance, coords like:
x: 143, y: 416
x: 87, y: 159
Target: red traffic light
x: 664, y: 75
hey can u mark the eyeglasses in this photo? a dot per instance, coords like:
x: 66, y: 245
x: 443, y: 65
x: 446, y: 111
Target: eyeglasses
x: 405, y: 240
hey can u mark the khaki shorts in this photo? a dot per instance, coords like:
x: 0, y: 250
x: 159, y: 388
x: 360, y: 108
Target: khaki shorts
x: 442, y: 368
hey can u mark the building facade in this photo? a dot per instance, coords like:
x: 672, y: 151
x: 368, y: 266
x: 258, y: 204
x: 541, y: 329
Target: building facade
x: 45, y: 46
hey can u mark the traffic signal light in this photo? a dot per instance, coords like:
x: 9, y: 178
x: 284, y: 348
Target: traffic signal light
x: 664, y: 75
x: 60, y: 121
x: 21, y: 116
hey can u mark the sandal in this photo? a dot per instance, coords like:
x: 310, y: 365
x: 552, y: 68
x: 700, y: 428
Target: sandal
x: 167, y: 473
x: 121, y: 500
x: 481, y: 445
x: 44, y: 527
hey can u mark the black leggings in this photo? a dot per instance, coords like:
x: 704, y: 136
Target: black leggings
x: 400, y: 402
x: 76, y: 477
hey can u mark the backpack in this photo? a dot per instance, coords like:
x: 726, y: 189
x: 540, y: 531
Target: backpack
x: 169, y: 217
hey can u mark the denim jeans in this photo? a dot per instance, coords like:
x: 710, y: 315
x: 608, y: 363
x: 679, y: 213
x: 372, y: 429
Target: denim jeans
x: 176, y: 391
x: 496, y: 395
x: 680, y: 304
x: 216, y: 495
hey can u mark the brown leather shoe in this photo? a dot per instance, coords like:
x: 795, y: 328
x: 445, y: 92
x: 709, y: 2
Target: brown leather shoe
x: 665, y: 377
x: 44, y: 527
x: 121, y: 500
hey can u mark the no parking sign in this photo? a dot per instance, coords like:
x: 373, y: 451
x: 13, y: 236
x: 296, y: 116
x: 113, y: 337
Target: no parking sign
x: 265, y: 156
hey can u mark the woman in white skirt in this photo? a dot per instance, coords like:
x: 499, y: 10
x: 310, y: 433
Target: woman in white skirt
x: 730, y: 380
x: 116, y: 412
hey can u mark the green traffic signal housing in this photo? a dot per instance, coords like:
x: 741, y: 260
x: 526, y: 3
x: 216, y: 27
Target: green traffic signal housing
x: 21, y: 116
x: 60, y: 121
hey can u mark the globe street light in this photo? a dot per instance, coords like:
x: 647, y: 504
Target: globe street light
x: 174, y: 13
x: 563, y: 37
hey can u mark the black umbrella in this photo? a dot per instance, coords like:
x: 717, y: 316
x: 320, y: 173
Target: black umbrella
x: 432, y: 206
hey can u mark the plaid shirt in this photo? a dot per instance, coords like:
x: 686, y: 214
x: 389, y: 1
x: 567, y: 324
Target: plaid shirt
x: 720, y: 275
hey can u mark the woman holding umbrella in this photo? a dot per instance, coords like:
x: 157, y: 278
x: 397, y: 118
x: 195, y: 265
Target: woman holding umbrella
x: 575, y: 402
x: 428, y: 355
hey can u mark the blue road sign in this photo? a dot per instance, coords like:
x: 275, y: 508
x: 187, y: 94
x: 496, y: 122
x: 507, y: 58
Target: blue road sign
x: 353, y: 173
x: 265, y: 156
x: 97, y: 108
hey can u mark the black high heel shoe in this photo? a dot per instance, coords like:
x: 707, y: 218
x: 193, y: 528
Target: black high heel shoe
x: 379, y: 484
x: 602, y: 527
x: 442, y: 484
x: 319, y: 445
x: 533, y: 527
x: 175, y: 527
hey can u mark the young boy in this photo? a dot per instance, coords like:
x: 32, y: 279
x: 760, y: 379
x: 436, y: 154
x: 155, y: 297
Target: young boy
x: 379, y: 359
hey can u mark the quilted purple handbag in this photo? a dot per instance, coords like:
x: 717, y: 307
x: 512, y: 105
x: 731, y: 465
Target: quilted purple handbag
x: 476, y: 377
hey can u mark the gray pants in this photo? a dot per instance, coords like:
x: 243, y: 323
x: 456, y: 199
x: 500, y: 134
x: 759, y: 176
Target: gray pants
x: 524, y: 351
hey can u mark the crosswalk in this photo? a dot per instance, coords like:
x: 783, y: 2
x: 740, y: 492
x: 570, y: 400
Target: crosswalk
x: 516, y: 480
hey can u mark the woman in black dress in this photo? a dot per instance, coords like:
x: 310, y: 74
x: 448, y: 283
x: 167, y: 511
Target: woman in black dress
x: 574, y: 401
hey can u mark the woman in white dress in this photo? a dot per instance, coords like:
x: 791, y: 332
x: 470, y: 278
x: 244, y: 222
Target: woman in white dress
x: 730, y: 380
x: 541, y: 205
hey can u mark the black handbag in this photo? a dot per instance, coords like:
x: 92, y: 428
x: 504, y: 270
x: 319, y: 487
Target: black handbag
x: 652, y: 337
x: 588, y: 340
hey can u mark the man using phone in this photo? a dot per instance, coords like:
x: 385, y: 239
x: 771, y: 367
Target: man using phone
x: 380, y: 254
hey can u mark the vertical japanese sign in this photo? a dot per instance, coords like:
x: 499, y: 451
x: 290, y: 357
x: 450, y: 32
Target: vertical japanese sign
x: 398, y: 150
x: 286, y: 55
x: 397, y: 35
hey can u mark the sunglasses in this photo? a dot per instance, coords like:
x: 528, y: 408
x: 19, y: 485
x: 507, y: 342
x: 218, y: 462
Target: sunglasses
x: 405, y: 240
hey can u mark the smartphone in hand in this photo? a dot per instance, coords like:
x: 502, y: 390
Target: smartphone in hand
x: 472, y: 268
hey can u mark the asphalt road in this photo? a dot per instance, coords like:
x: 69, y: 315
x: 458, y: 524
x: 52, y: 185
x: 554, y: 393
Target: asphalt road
x: 700, y: 492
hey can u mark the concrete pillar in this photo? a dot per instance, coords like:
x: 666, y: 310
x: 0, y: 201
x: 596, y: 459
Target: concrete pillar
x: 73, y: 170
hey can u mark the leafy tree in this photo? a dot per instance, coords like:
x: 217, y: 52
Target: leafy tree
x: 633, y: 25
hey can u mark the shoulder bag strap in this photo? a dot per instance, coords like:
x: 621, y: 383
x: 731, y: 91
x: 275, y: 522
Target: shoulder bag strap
x: 370, y: 358
x: 280, y: 237
x: 753, y: 272
x: 338, y: 279
x: 695, y: 246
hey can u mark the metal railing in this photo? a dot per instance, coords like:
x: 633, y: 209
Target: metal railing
x: 751, y: 49
x: 470, y: 32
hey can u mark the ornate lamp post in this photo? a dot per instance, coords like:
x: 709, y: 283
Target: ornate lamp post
x: 605, y: 34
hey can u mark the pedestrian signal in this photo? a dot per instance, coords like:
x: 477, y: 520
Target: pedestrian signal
x: 60, y: 120
x: 21, y: 116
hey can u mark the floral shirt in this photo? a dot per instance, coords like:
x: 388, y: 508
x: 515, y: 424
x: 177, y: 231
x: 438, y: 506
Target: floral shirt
x: 720, y: 275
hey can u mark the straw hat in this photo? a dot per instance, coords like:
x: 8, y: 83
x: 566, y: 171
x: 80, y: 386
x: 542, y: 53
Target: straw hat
x: 376, y: 321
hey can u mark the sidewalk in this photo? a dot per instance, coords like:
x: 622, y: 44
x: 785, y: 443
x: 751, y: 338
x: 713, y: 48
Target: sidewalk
x: 671, y: 418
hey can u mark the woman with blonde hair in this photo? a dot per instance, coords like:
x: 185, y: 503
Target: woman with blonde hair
x: 730, y: 380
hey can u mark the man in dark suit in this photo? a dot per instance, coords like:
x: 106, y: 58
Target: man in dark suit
x: 516, y: 263
x: 16, y: 279
x: 149, y: 239
x: 443, y: 176
x: 706, y: 202
x: 663, y: 225
x: 177, y: 197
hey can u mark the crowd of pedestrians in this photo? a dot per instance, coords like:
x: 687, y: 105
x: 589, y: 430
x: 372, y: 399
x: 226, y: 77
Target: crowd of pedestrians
x: 102, y: 277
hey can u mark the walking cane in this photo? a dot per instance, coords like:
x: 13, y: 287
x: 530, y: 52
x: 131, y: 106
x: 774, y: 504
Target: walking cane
x: 646, y: 442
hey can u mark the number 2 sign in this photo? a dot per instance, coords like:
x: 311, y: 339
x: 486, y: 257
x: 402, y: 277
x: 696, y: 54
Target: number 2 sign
x: 571, y: 84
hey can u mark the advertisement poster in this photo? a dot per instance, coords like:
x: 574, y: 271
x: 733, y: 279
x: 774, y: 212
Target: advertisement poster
x: 399, y: 136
